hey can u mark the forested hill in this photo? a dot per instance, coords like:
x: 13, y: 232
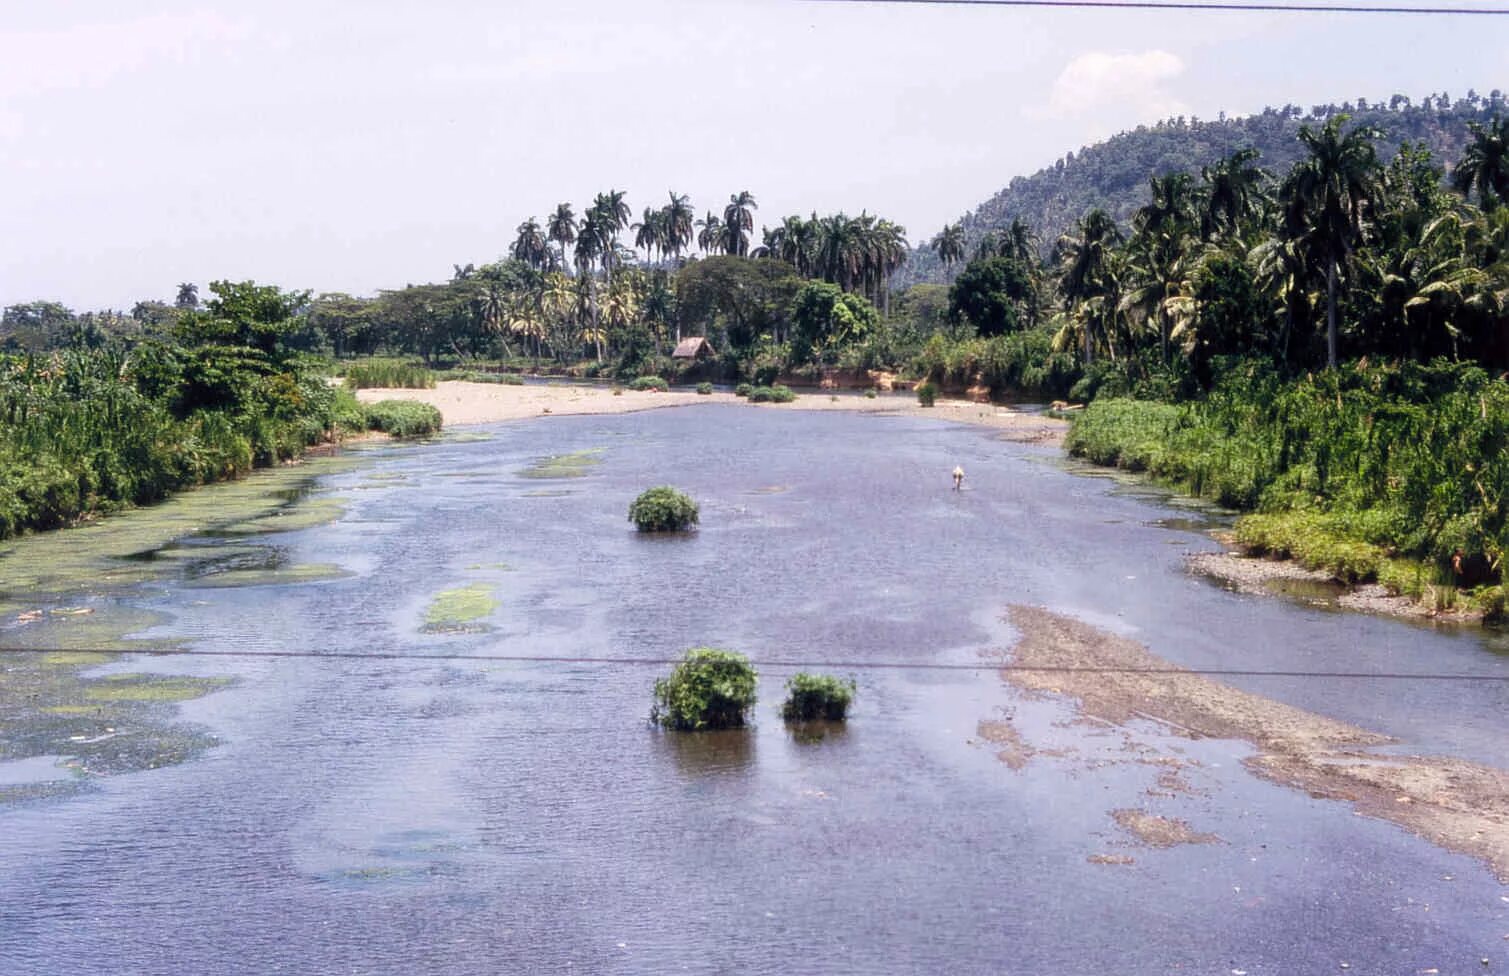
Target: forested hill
x: 1114, y: 174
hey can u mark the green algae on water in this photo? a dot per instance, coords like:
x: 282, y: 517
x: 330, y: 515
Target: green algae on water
x: 274, y: 576
x: 151, y: 688
x: 291, y: 518
x: 577, y: 464
x: 460, y: 610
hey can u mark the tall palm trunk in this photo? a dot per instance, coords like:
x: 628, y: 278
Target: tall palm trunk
x: 1331, y: 313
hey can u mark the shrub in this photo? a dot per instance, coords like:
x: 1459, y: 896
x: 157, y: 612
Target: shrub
x: 709, y: 689
x: 663, y: 509
x: 388, y: 374
x: 654, y: 383
x: 810, y: 696
x: 705, y: 389
x: 402, y: 418
x: 870, y: 394
x: 771, y: 394
x: 926, y: 393
x: 743, y: 390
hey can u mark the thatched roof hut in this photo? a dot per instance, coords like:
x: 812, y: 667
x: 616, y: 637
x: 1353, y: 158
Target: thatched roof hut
x: 693, y: 347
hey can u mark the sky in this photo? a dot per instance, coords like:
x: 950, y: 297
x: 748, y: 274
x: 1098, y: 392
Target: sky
x: 360, y: 146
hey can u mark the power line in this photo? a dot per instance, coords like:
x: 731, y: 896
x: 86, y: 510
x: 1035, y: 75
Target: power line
x: 444, y: 656
x: 1217, y: 5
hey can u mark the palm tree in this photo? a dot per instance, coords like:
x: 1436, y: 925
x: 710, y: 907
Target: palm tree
x: 678, y: 223
x: 1021, y: 244
x: 650, y: 233
x: 1485, y: 164
x: 1087, y: 280
x: 593, y: 240
x: 738, y: 222
x: 950, y: 244
x: 1233, y: 193
x: 562, y: 230
x: 710, y: 238
x: 188, y: 296
x: 1332, y: 192
x: 530, y: 246
x: 1158, y: 247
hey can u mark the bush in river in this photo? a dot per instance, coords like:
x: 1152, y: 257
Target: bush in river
x: 663, y: 509
x: 709, y: 689
x: 743, y: 390
x: 812, y: 696
x: 393, y: 374
x: 654, y: 383
x: 402, y: 418
x: 705, y: 389
x: 926, y: 393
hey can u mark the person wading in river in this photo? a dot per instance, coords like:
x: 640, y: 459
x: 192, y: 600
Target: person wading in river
x: 958, y: 477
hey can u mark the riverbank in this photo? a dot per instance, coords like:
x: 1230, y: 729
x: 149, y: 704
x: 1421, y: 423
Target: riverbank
x: 464, y: 403
x: 1459, y: 805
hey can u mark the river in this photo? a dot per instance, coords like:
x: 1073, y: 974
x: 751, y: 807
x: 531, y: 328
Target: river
x: 341, y: 775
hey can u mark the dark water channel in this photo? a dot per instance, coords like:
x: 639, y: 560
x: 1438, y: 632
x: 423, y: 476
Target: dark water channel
x: 372, y: 806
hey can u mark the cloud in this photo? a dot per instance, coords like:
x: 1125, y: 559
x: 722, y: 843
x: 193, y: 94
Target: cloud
x: 1098, y: 82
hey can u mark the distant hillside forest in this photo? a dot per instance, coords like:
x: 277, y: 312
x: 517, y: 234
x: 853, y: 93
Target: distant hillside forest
x: 1113, y: 175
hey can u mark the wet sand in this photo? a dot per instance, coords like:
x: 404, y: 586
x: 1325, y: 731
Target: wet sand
x: 1459, y: 805
x: 1262, y: 576
x: 463, y: 403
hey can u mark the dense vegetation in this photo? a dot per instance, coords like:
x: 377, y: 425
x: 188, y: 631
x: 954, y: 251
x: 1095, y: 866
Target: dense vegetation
x: 663, y: 509
x: 102, y: 425
x: 817, y: 696
x: 709, y: 689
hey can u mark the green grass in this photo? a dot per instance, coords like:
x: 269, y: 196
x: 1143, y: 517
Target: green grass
x: 1366, y: 472
x: 391, y: 374
x: 402, y: 418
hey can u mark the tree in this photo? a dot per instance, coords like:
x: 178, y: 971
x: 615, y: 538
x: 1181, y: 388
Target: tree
x: 1086, y: 280
x: 1330, y: 194
x: 743, y: 298
x: 1485, y: 164
x: 561, y: 229
x: 738, y: 223
x: 1233, y: 193
x: 710, y: 238
x: 1158, y: 249
x: 530, y: 246
x: 993, y: 295
x: 244, y: 313
x: 678, y: 223
x: 650, y: 233
x: 188, y: 297
x: 950, y: 244
x: 824, y: 318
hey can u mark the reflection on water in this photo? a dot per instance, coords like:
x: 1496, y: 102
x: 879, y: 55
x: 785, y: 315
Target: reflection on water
x: 391, y: 800
x: 710, y: 753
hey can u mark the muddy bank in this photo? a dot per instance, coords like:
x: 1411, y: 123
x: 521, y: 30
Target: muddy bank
x: 1258, y: 575
x: 1458, y: 805
x: 462, y: 403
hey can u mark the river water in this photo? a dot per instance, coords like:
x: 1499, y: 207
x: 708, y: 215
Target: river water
x: 375, y: 787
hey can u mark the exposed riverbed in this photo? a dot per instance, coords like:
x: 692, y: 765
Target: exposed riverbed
x: 429, y: 782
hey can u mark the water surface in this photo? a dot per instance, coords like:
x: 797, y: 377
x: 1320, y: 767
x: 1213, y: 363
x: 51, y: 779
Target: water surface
x: 384, y: 802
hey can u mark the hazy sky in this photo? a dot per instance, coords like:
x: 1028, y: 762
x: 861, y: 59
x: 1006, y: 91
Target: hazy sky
x: 355, y: 146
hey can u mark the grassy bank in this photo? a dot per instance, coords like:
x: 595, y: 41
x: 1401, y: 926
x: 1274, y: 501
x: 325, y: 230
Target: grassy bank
x: 1390, y: 473
x: 89, y: 431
